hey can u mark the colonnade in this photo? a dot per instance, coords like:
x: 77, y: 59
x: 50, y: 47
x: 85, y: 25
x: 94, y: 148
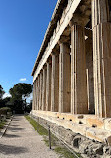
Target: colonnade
x: 61, y: 85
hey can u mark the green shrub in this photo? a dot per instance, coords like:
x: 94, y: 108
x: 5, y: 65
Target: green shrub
x: 4, y: 110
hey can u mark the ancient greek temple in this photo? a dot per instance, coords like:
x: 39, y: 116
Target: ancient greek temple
x: 72, y: 72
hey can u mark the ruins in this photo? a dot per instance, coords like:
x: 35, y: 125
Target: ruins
x: 72, y: 72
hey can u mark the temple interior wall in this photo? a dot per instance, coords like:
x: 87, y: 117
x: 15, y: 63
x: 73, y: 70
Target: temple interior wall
x: 90, y: 80
x: 109, y: 2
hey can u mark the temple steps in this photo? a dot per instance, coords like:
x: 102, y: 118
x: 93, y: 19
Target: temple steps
x: 89, y: 126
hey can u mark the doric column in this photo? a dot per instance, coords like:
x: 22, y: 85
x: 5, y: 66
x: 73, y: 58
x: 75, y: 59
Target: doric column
x: 101, y: 57
x: 41, y: 86
x: 64, y: 78
x: 38, y: 98
x: 79, y: 98
x: 44, y: 88
x: 55, y: 83
x: 33, y: 98
x: 34, y: 95
x: 37, y: 94
x: 48, y: 87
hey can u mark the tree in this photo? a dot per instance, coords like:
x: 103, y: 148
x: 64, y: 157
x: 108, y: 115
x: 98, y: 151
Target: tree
x: 1, y: 92
x: 20, y: 92
x: 1, y: 96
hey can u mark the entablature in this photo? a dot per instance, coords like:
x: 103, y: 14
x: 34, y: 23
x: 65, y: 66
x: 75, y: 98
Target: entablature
x: 74, y: 10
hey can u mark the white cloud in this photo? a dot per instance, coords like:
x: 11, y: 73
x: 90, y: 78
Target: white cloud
x: 23, y: 79
x: 6, y: 95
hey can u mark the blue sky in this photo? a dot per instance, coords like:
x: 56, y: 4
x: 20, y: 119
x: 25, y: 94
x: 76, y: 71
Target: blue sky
x: 23, y: 24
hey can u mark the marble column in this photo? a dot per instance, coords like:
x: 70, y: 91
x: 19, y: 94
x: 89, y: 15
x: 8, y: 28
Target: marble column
x: 41, y: 86
x: 64, y: 78
x: 44, y: 89
x: 33, y: 98
x: 34, y: 95
x: 79, y: 98
x: 55, y: 83
x: 101, y: 57
x: 48, y: 87
x: 37, y: 95
x: 38, y: 98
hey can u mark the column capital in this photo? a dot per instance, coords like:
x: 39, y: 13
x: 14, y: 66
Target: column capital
x: 55, y: 52
x: 64, y: 39
x: 44, y: 66
x: 41, y: 71
x: 49, y: 60
x: 71, y: 23
x: 64, y: 48
x: 80, y: 20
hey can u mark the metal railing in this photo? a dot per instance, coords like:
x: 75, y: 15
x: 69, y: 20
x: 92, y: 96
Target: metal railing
x: 58, y: 137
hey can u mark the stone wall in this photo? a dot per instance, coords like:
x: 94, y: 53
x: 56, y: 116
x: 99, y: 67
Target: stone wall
x: 86, y: 147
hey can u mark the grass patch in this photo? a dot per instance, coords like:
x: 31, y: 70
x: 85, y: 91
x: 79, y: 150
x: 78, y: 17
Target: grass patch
x: 40, y: 129
x: 64, y: 152
x: 55, y: 143
x: 2, y: 124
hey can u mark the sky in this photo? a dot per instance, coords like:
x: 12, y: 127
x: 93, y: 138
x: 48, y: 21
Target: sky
x: 23, y: 24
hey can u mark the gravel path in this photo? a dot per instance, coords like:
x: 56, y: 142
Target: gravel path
x: 22, y: 141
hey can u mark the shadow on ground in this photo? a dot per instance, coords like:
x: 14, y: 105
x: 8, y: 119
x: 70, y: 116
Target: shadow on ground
x: 15, y: 120
x: 15, y: 125
x: 15, y: 129
x: 8, y: 149
x: 11, y: 136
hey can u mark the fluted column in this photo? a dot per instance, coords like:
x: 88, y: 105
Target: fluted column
x: 34, y: 95
x: 33, y: 98
x: 38, y: 98
x: 41, y: 86
x: 48, y: 87
x: 37, y: 95
x: 79, y: 98
x: 64, y: 78
x: 101, y: 57
x: 44, y: 88
x: 55, y: 83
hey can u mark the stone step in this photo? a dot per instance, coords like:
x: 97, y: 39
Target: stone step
x: 100, y: 135
x: 89, y: 126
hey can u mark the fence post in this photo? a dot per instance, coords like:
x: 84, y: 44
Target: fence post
x: 49, y: 136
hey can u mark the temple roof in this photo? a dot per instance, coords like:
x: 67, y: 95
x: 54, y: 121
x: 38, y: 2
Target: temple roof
x: 49, y: 32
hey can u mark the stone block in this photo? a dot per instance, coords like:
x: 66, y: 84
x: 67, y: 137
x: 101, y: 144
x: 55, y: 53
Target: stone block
x: 95, y: 121
x: 107, y: 124
x: 80, y: 119
x: 99, y: 135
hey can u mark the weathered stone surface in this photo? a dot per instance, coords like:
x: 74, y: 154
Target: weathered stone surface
x: 79, y: 99
x: 81, y: 144
x: 98, y: 122
x: 48, y: 87
x: 82, y: 69
x: 107, y: 150
x: 44, y: 89
x: 64, y: 80
x: 55, y: 83
x: 76, y: 141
